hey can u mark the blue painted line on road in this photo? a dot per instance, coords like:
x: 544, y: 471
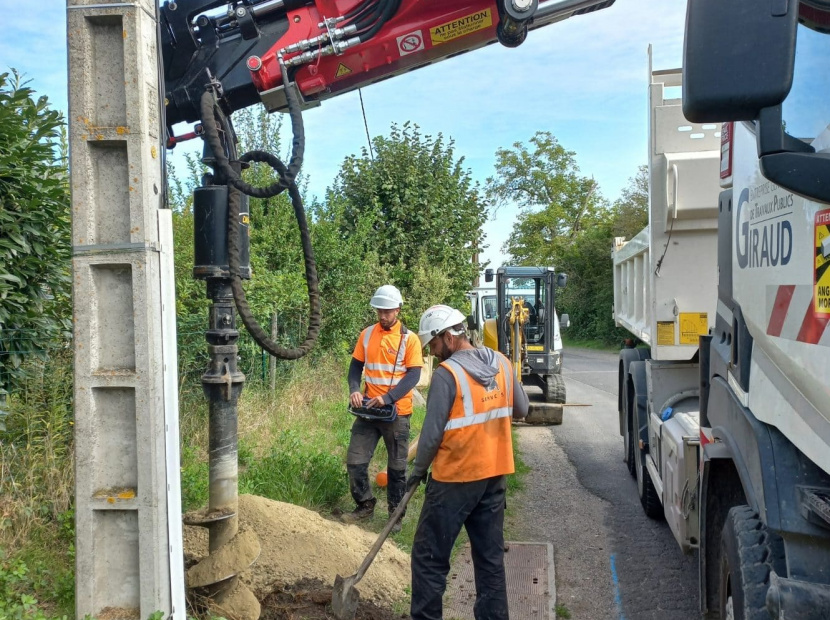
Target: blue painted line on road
x: 617, y: 595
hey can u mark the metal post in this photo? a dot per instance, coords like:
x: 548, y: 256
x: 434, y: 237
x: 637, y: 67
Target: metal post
x: 127, y: 496
x: 272, y: 361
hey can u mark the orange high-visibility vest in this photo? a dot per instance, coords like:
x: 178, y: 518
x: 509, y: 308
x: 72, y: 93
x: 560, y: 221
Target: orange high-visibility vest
x: 477, y: 442
x: 386, y: 355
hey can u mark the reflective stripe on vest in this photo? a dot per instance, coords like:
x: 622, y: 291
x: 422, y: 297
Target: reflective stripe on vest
x: 398, y: 367
x: 477, y: 442
x: 470, y: 417
x: 384, y: 363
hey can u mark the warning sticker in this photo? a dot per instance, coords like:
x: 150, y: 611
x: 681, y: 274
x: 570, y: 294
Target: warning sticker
x: 461, y: 27
x: 692, y: 326
x: 665, y: 332
x: 342, y: 70
x: 821, y: 279
x: 535, y: 347
x: 410, y: 43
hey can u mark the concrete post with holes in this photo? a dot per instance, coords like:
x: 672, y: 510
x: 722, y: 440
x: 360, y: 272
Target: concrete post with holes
x: 127, y: 494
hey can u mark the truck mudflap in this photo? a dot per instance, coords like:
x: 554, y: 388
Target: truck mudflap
x: 792, y: 598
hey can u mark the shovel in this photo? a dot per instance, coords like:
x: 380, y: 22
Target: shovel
x: 344, y: 595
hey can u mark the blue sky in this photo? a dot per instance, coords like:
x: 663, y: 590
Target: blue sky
x: 584, y: 79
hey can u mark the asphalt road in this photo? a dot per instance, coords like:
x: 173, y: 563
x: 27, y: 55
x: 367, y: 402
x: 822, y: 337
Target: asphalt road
x: 611, y: 561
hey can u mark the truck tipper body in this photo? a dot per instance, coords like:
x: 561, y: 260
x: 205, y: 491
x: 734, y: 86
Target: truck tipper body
x: 724, y: 406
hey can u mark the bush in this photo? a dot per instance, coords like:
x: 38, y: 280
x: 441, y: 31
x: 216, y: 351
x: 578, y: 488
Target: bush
x: 297, y: 472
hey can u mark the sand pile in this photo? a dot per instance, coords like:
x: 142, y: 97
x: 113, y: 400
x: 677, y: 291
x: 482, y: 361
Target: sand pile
x: 298, y: 544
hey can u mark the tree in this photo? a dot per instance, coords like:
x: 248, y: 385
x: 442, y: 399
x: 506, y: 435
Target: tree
x: 413, y: 204
x: 631, y: 209
x: 34, y: 228
x: 557, y: 202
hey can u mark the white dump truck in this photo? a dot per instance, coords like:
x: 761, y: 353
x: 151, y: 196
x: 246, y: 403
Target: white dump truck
x: 725, y: 404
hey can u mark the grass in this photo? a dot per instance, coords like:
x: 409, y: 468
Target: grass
x: 36, y: 483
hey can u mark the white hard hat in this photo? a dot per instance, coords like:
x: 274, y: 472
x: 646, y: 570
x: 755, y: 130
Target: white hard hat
x: 438, y: 319
x: 386, y: 298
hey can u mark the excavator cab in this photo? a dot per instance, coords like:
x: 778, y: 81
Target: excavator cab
x: 526, y: 327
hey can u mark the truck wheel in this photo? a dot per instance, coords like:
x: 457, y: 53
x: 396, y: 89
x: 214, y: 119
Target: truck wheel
x: 749, y: 552
x: 645, y: 487
x: 628, y: 435
x: 554, y: 390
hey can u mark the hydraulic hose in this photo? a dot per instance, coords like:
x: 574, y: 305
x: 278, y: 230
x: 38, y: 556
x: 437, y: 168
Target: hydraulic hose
x: 213, y: 118
x: 212, y: 114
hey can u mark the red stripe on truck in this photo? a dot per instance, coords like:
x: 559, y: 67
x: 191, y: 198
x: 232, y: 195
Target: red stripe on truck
x: 779, y: 309
x: 813, y: 325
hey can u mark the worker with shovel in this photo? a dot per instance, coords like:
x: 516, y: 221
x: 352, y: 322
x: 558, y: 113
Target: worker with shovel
x: 389, y: 358
x: 466, y: 438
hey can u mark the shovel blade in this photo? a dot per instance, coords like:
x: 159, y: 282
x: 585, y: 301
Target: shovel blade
x: 344, y: 598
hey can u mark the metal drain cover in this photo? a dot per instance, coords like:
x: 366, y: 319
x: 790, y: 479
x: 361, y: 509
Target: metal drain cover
x: 531, y: 587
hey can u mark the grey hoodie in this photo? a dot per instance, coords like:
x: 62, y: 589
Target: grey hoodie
x: 482, y: 365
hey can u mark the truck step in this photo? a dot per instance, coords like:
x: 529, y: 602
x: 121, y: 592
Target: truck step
x: 815, y: 505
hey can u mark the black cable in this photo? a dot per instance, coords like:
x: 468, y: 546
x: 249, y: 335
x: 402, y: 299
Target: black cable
x: 214, y: 120
x: 389, y: 10
x: 366, y: 124
x: 358, y: 11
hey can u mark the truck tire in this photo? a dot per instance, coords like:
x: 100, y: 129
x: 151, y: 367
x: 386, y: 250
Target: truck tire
x: 554, y: 390
x: 626, y: 400
x: 645, y: 487
x: 629, y: 440
x: 749, y: 552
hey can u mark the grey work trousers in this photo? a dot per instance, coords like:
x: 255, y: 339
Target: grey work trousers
x: 365, y: 437
x: 479, y: 507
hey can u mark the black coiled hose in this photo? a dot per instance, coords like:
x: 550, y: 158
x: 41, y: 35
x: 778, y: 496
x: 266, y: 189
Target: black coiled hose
x: 212, y: 119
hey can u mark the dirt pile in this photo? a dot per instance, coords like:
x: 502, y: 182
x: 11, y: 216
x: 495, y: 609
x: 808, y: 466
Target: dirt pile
x: 298, y: 545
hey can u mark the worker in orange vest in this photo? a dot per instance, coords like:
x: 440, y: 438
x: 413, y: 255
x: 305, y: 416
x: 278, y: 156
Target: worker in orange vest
x: 390, y: 359
x: 466, y: 438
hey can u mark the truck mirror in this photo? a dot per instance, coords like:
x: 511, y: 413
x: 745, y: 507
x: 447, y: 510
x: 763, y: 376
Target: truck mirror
x: 564, y: 321
x: 471, y: 322
x: 488, y: 275
x: 561, y: 280
x: 738, y: 58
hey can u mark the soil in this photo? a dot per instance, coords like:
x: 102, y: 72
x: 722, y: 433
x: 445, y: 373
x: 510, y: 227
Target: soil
x: 310, y: 600
x: 301, y: 554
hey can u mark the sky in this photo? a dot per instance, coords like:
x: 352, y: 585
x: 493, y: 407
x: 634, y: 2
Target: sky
x: 584, y: 80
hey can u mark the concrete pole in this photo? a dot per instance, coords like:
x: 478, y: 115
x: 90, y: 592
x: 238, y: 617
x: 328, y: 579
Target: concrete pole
x: 127, y: 493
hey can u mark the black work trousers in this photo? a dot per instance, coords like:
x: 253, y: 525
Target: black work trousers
x: 479, y: 507
x: 365, y: 437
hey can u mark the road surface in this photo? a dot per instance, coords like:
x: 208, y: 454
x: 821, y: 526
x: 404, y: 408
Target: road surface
x: 611, y: 561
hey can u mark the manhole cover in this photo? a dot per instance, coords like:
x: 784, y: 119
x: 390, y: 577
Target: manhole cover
x: 531, y: 589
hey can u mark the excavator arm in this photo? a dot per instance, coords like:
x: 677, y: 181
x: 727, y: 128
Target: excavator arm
x: 328, y: 47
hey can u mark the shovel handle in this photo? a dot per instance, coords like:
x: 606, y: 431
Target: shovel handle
x: 367, y: 561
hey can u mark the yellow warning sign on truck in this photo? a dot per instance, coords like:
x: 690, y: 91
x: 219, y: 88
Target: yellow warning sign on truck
x: 665, y: 333
x: 461, y: 27
x: 821, y: 281
x: 692, y: 326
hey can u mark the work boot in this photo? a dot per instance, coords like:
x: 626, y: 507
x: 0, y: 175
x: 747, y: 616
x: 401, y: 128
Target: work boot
x: 364, y: 510
x: 396, y: 527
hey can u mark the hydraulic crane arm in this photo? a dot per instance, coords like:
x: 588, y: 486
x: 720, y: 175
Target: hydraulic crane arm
x: 329, y: 46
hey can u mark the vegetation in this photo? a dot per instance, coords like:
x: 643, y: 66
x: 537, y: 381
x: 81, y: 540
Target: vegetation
x: 34, y: 229
x: 567, y: 224
x: 415, y: 205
